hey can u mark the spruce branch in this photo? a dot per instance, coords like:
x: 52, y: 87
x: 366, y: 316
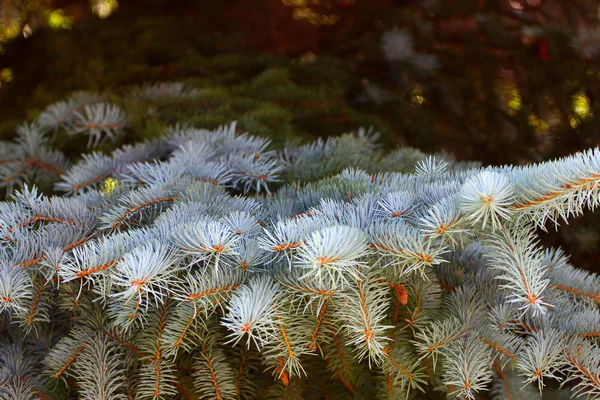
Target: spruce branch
x: 542, y: 356
x: 143, y: 277
x: 16, y: 289
x: 212, y: 242
x: 584, y: 367
x: 99, y: 370
x: 214, y: 377
x: 92, y: 169
x: 38, y: 308
x: 68, y: 349
x: 157, y: 380
x: 62, y: 113
x: 424, y: 298
x: 406, y: 249
x: 251, y: 311
x: 284, y: 354
x: 507, y: 385
x: 100, y: 121
x: 327, y: 258
x: 487, y: 196
x: 431, y: 339
x: 444, y: 222
x: 363, y: 315
x: 157, y: 374
x: 468, y: 366
x: 559, y: 189
x: 577, y: 283
x: 402, y: 368
x: 514, y: 252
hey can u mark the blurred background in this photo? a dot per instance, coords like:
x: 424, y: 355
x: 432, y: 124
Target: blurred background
x: 495, y: 81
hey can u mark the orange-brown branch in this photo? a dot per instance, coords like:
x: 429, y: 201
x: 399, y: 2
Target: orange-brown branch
x: 35, y: 302
x: 326, y: 260
x: 399, y: 213
x: 90, y: 181
x: 195, y: 296
x: 89, y: 271
x: 157, y: 380
x: 187, y: 395
x: 186, y: 328
x: 399, y: 367
x: 579, y: 184
x: 14, y: 176
x: 70, y: 360
x: 41, y: 218
x: 282, y: 373
x: 327, y: 293
x: 502, y: 377
x: 369, y: 336
x: 498, y: 348
x: 347, y: 384
x: 46, y: 167
x: 71, y: 246
x: 594, y: 296
x: 442, y: 343
x: 134, y: 209
x: 125, y: 343
x: 30, y: 163
x: 595, y: 380
x: 29, y: 263
x: 313, y: 339
x: 40, y: 395
x: 338, y: 345
x: 415, y: 314
x: 213, y: 377
x: 531, y: 297
x: 590, y: 334
x: 286, y: 339
x: 161, y: 328
x: 287, y: 246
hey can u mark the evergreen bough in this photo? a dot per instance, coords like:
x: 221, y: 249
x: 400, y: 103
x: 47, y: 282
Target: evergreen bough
x: 204, y: 264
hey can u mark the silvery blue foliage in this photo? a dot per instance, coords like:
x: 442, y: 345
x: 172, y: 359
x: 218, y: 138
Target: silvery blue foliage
x: 99, y: 121
x: 397, y: 45
x: 206, y: 263
x: 487, y: 196
x: 426, y: 63
x: 62, y: 113
x: 161, y: 91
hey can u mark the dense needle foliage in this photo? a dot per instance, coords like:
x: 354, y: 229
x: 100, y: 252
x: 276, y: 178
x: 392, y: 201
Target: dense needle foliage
x: 208, y: 264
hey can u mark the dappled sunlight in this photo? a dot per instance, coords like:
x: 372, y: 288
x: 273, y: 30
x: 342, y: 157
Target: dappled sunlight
x: 57, y: 19
x: 104, y: 8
